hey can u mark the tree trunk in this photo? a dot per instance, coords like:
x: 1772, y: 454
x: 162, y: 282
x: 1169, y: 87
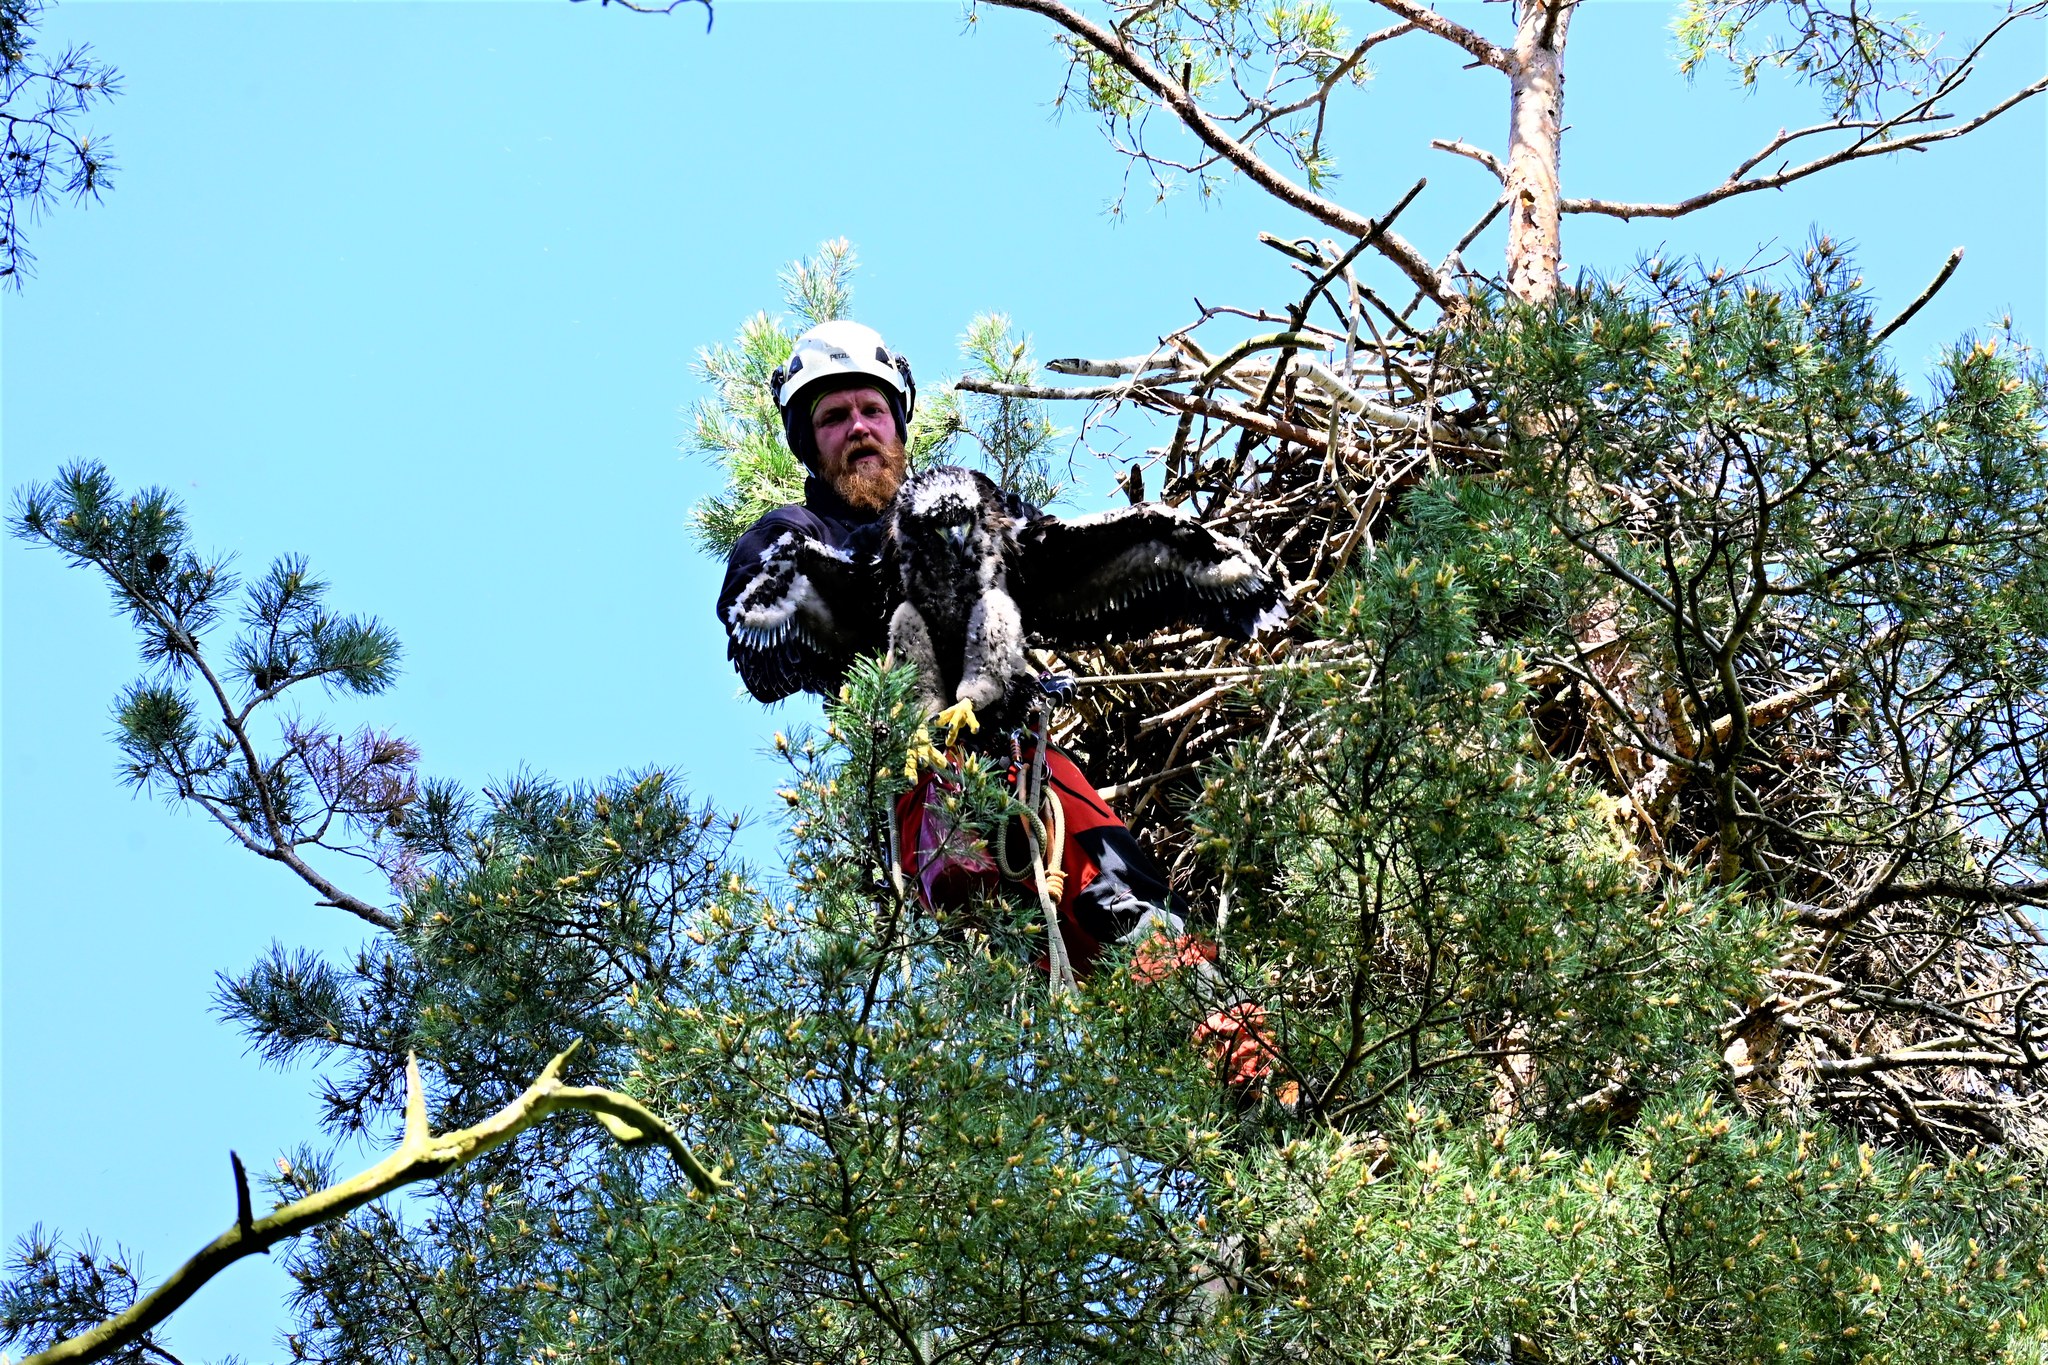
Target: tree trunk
x: 1535, y: 123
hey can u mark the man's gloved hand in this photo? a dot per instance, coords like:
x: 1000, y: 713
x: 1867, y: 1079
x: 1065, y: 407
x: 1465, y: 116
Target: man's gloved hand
x: 1232, y: 1038
x: 1057, y: 685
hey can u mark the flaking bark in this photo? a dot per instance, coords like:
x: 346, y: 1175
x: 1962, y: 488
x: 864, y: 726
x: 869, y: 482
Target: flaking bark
x: 1535, y: 135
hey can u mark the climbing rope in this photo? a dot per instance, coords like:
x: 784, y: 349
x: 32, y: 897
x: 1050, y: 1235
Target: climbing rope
x: 1043, y: 819
x: 1042, y: 833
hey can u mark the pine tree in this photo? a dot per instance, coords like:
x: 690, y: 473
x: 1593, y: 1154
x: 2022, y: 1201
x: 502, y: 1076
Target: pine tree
x: 1557, y: 1100
x: 44, y: 155
x: 1635, y: 845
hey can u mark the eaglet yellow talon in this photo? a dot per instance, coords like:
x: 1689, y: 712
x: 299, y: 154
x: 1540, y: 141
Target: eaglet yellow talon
x: 953, y: 717
x: 920, y: 754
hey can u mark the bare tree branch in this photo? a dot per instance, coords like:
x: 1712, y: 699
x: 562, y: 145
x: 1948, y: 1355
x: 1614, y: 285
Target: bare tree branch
x: 420, y: 1156
x: 1894, y: 1061
x: 1107, y: 369
x: 1955, y: 258
x: 1176, y: 97
x: 1429, y: 21
x: 1485, y: 158
x: 1856, y: 151
x: 1331, y: 81
x: 640, y: 7
x: 1178, y: 402
x: 1232, y: 413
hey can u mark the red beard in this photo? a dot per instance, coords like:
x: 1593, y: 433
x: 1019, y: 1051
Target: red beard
x: 869, y: 489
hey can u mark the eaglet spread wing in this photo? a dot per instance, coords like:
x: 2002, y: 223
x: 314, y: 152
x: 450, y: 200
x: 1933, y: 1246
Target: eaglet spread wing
x: 1124, y: 574
x: 805, y: 612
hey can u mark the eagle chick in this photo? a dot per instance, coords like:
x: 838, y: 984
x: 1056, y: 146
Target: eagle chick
x: 969, y: 574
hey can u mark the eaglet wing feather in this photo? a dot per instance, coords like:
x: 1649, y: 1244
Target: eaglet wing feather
x: 1127, y: 573
x: 804, y: 615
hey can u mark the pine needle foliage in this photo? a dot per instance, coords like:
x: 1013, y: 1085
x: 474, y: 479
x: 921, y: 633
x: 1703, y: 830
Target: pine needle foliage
x: 1264, y: 69
x: 1633, y: 849
x: 935, y: 1158
x: 1812, y: 658
x: 54, y: 1290
x: 1013, y: 438
x: 1860, y: 60
x: 527, y: 914
x: 45, y: 154
x: 1444, y: 903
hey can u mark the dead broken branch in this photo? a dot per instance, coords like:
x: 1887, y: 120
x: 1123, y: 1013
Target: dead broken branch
x: 420, y: 1155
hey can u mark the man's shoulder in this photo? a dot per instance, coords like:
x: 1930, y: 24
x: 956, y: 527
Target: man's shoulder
x: 791, y: 516
x: 841, y: 533
x: 771, y: 526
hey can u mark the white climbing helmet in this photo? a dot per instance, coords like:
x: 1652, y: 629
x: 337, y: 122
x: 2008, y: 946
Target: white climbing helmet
x: 841, y: 352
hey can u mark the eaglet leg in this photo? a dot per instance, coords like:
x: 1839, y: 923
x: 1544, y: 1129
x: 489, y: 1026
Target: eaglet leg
x: 995, y: 650
x: 910, y: 641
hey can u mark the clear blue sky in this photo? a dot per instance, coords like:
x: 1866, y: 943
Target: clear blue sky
x: 414, y: 289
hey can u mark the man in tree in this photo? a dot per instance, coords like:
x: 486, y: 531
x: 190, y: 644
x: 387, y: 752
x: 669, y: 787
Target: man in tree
x: 846, y: 401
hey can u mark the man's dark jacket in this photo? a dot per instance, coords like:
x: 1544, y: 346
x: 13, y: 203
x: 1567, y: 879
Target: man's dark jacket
x: 1117, y: 881
x: 824, y: 516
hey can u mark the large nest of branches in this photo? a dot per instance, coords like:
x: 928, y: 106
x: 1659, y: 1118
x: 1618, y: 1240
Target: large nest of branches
x: 1815, y: 762
x: 1303, y: 459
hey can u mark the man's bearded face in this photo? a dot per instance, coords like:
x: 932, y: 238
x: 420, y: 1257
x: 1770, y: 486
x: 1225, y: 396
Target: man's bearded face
x: 859, y: 453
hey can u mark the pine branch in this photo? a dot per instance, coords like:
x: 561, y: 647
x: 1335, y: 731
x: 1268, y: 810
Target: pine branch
x: 1459, y: 147
x: 1176, y: 96
x: 1871, y: 145
x: 420, y: 1156
x: 139, y: 546
x: 1429, y: 21
x: 43, y: 153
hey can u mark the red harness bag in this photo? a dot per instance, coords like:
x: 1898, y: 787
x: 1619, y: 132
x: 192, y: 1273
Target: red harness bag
x: 951, y: 867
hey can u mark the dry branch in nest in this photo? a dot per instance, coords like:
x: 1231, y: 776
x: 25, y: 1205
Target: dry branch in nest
x: 1912, y: 1011
x: 1303, y: 458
